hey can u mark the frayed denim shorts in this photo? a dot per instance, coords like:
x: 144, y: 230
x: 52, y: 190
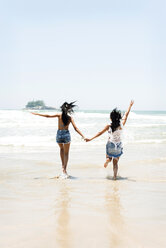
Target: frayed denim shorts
x: 114, y: 150
x: 63, y: 137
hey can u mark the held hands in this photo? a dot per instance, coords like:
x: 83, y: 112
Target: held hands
x: 87, y: 140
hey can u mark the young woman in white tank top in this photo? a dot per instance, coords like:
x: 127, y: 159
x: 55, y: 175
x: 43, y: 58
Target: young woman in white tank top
x: 114, y: 148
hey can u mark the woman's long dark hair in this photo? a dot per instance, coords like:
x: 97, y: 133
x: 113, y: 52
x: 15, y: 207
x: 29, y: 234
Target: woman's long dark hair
x: 67, y: 108
x: 115, y: 116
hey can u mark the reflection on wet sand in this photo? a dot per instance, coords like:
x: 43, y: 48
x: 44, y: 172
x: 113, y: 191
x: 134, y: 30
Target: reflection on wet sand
x: 115, y: 218
x: 63, y: 234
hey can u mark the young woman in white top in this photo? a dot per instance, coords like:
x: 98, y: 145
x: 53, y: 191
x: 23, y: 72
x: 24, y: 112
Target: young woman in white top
x: 114, y: 148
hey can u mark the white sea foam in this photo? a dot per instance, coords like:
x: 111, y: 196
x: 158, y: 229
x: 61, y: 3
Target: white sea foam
x: 151, y: 141
x: 91, y: 115
x: 135, y: 116
x: 21, y: 128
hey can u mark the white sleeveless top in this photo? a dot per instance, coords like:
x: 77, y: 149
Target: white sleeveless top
x: 116, y: 136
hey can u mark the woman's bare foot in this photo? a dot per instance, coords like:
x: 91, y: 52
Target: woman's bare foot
x: 64, y: 175
x: 107, y: 162
x: 114, y: 177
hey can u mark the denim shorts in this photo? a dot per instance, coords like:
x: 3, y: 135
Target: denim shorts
x: 114, y: 150
x: 63, y: 137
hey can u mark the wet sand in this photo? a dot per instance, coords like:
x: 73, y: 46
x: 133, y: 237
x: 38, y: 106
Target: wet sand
x: 87, y: 210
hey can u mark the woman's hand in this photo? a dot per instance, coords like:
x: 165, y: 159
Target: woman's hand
x: 87, y: 140
x: 34, y: 113
x: 131, y: 103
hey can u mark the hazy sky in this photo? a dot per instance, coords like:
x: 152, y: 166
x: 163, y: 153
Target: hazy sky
x: 100, y: 53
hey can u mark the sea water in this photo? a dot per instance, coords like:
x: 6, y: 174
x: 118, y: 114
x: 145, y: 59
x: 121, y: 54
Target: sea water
x: 20, y: 131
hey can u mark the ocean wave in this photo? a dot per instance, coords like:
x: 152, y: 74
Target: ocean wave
x: 20, y: 128
x: 23, y: 116
x: 27, y: 141
x: 141, y: 125
x: 148, y: 141
x: 91, y: 115
x: 76, y: 142
x: 138, y: 116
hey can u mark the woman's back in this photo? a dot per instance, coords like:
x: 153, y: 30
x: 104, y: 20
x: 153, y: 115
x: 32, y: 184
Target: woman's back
x: 61, y: 125
x: 116, y: 136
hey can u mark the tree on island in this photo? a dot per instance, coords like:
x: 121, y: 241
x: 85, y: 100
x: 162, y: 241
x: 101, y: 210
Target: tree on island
x: 33, y: 104
x: 38, y: 105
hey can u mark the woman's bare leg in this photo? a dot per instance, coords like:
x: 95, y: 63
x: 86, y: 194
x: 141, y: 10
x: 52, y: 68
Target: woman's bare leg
x: 61, y: 146
x: 66, y: 155
x: 115, y: 167
x: 108, y: 160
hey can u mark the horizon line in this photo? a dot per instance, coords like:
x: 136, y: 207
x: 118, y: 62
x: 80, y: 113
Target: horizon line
x: 148, y: 110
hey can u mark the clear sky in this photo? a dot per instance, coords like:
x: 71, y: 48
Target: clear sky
x: 100, y: 53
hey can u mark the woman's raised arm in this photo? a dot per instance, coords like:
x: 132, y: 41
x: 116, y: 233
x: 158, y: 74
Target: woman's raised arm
x: 127, y: 113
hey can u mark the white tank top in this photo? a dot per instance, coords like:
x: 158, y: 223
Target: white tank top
x: 116, y: 136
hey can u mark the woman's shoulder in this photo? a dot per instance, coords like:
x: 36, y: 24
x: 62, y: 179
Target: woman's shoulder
x: 119, y: 128
x: 60, y: 117
x: 71, y: 118
x: 121, y: 125
x: 108, y: 127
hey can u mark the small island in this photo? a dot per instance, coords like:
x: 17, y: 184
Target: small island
x: 39, y: 104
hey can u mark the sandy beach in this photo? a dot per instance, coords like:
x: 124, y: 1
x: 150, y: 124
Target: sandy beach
x: 89, y: 209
